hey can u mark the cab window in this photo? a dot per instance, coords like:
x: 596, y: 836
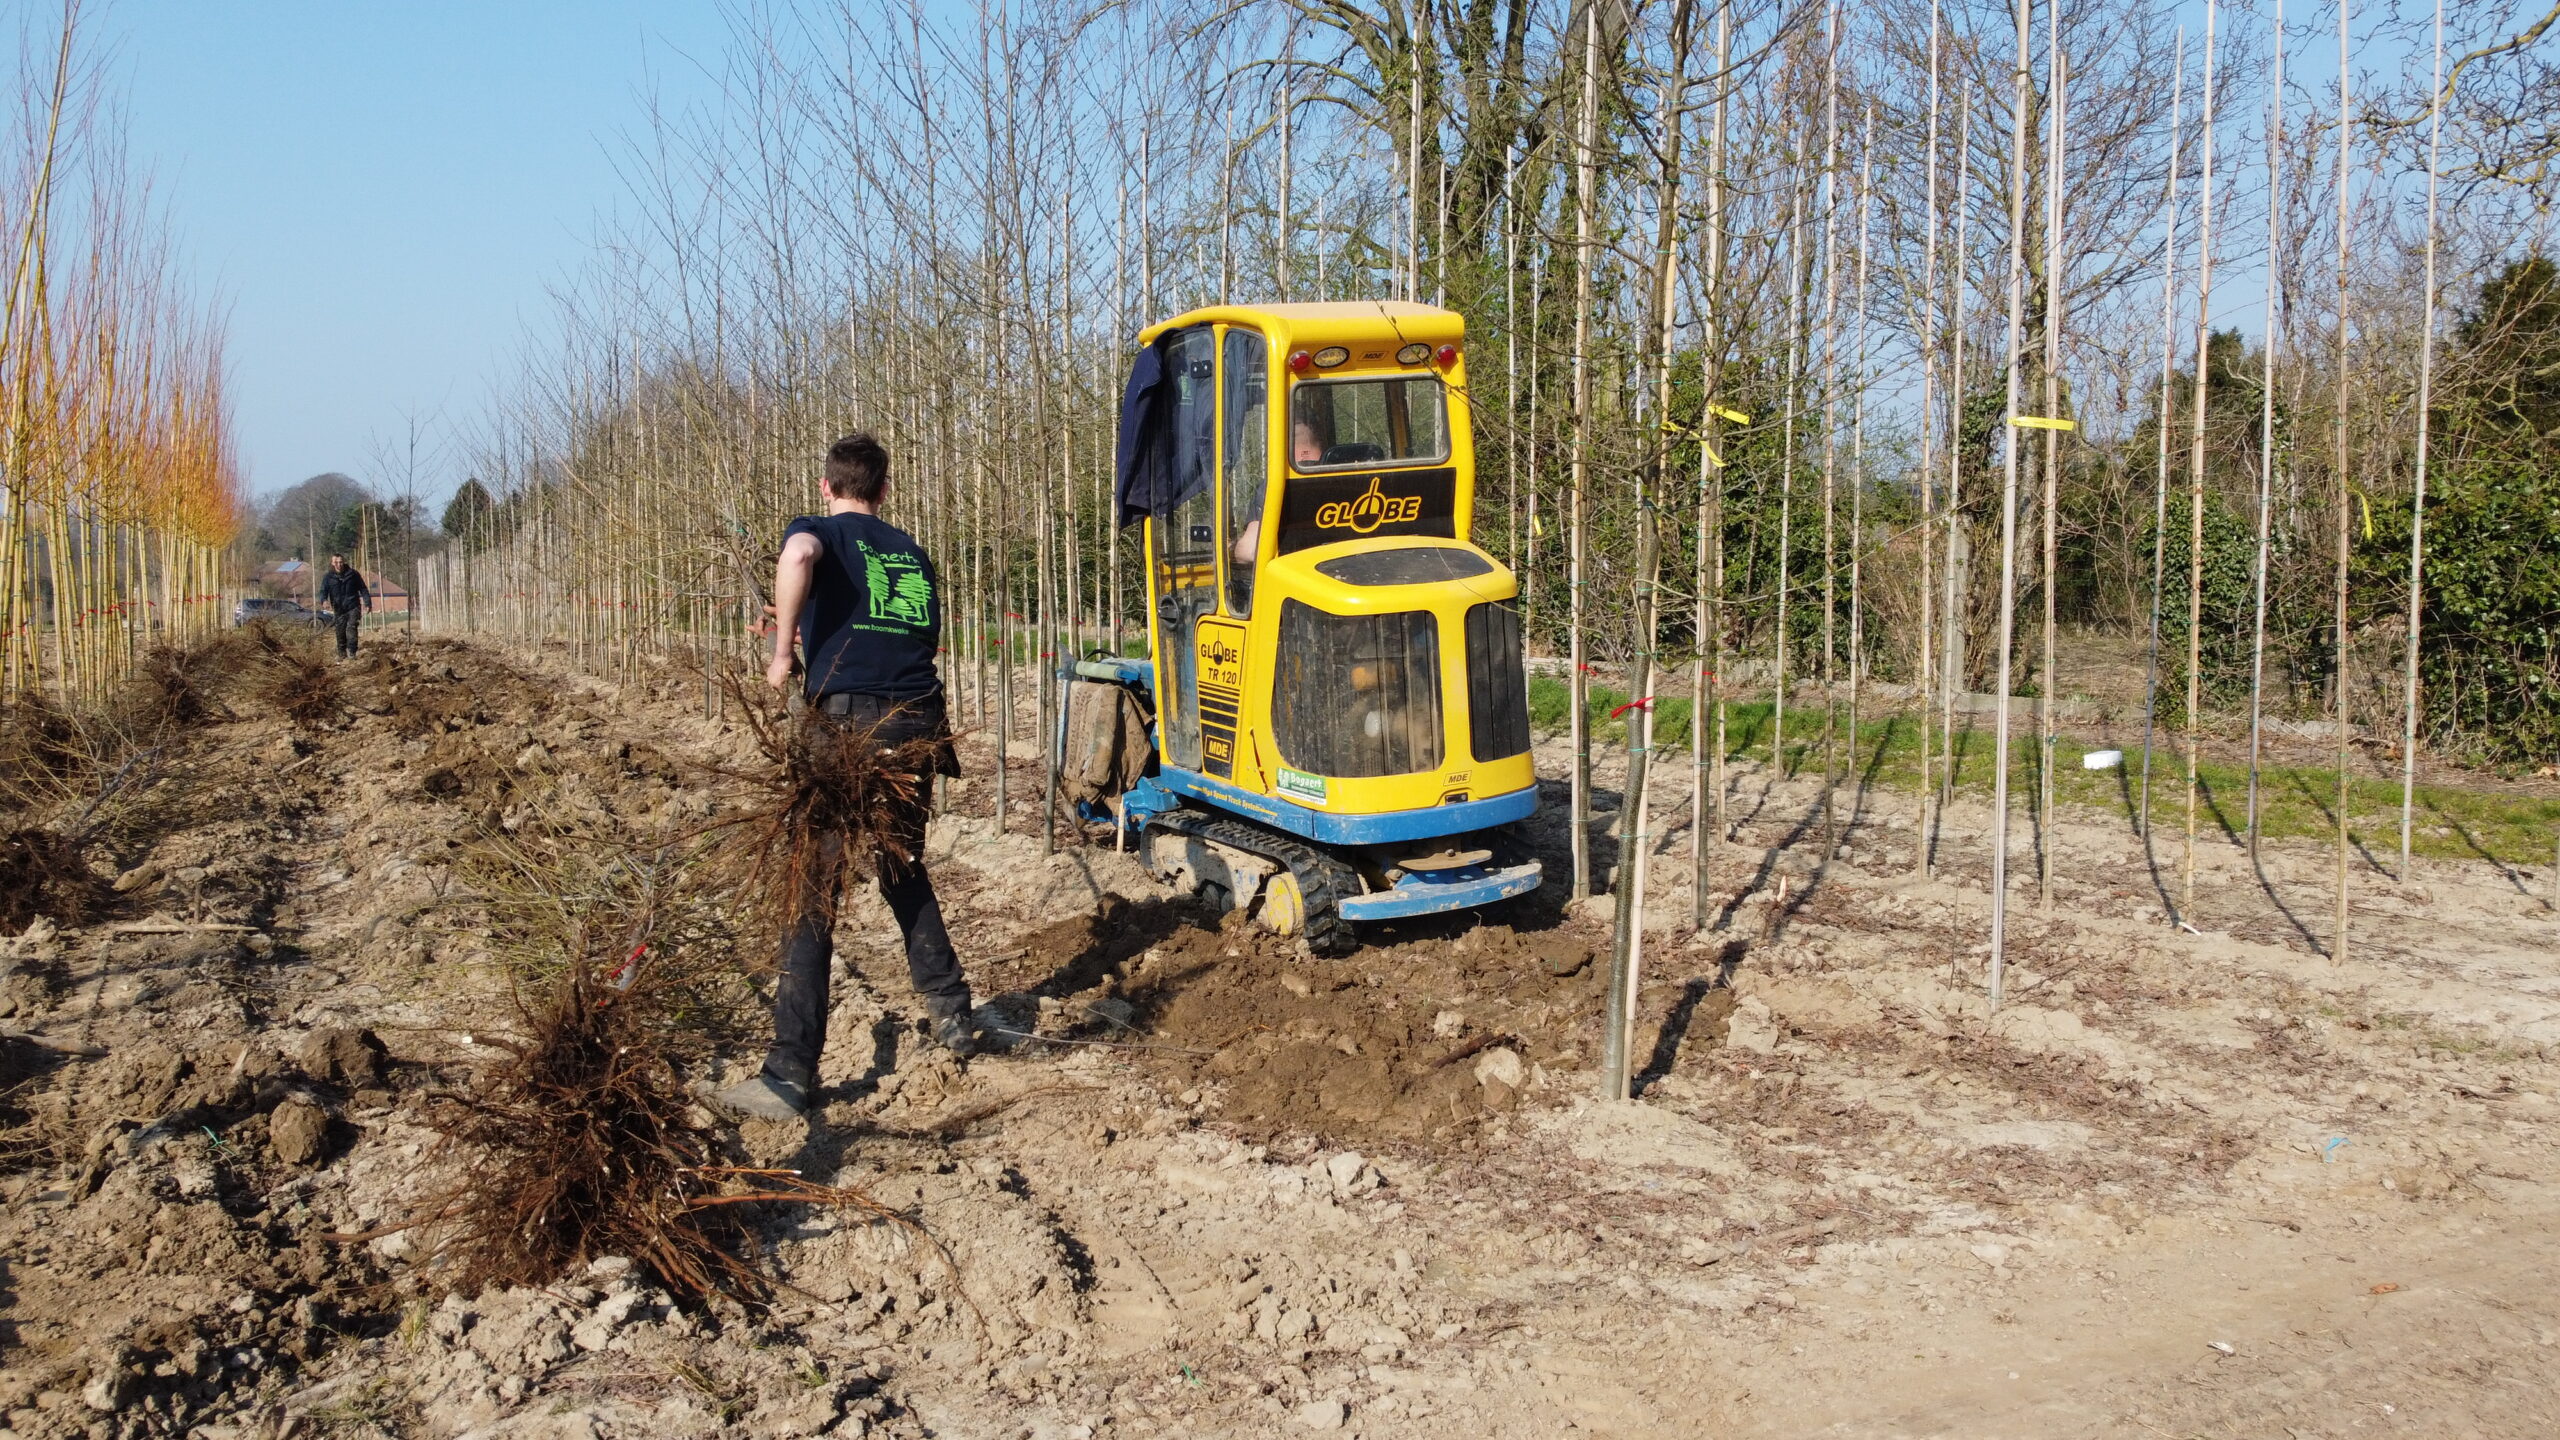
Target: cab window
x: 1245, y: 415
x: 1386, y: 420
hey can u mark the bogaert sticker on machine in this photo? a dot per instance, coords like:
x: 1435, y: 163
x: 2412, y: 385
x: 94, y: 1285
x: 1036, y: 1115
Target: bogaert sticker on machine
x: 1299, y: 785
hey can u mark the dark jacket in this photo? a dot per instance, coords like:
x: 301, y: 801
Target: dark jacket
x: 344, y: 590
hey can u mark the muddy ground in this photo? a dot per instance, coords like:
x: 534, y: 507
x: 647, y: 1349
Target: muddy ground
x: 2179, y: 1184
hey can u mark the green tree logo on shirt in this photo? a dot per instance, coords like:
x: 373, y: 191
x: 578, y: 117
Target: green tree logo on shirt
x: 895, y: 583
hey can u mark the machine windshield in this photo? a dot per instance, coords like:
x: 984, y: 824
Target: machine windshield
x: 1388, y: 420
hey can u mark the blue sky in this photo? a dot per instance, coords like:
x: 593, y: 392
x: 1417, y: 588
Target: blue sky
x: 385, y: 193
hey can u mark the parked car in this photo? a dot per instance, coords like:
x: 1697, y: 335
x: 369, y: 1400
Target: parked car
x: 257, y: 609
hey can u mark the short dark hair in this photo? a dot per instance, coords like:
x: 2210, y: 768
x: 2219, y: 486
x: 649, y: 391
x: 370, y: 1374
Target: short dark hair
x: 858, y: 468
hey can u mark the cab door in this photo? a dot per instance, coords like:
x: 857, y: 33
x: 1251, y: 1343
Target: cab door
x: 1223, y: 666
x: 1185, y: 581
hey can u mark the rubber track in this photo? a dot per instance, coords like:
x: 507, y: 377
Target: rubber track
x: 1323, y: 881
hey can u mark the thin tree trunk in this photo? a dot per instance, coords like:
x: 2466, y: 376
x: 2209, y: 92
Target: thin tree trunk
x: 1830, y: 430
x: 1586, y: 164
x: 1634, y: 838
x: 2418, y: 497
x: 1858, y: 469
x: 1706, y: 752
x: 2160, y: 483
x: 2018, y: 122
x: 2048, y: 677
x: 1956, y: 597
x: 2346, y: 134
x: 2195, y: 478
x: 2266, y: 424
x: 1927, y: 676
x: 1787, y: 475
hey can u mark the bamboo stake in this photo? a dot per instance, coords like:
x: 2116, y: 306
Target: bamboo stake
x: 1510, y: 371
x: 1413, y: 166
x: 1537, y: 371
x: 1287, y: 212
x: 1121, y: 334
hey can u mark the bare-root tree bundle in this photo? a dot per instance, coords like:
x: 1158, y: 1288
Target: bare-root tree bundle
x: 69, y: 776
x: 585, y: 1139
x: 43, y: 750
x: 818, y: 810
x: 295, y: 678
x: 179, y: 684
x: 584, y: 1142
x: 41, y: 873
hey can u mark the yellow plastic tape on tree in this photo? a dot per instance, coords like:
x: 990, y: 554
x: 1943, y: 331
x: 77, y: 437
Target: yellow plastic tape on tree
x: 2042, y: 422
x: 1736, y: 416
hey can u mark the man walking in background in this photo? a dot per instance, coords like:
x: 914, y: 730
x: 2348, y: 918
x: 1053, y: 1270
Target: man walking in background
x: 861, y: 599
x: 343, y: 590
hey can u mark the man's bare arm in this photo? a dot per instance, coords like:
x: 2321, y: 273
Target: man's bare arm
x: 791, y: 572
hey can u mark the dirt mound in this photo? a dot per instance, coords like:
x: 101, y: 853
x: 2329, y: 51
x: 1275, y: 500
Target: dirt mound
x: 433, y: 686
x: 1413, y: 1041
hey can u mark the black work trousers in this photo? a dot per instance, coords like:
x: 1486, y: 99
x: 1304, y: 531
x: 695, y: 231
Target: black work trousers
x: 808, y: 943
x: 350, y: 626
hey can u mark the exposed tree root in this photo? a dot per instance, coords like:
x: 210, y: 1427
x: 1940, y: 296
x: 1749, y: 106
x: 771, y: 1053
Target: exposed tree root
x: 176, y: 685
x: 584, y: 1142
x: 41, y: 873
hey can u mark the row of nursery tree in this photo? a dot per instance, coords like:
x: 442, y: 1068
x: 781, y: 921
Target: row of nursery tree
x: 1758, y: 296
x: 118, y: 491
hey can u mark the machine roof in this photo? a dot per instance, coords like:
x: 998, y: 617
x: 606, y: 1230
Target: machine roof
x: 1341, y: 320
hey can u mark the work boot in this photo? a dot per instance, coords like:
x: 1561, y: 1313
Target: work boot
x: 762, y: 1097
x: 954, y: 1032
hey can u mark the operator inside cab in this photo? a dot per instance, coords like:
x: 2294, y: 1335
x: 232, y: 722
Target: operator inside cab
x: 1304, y: 451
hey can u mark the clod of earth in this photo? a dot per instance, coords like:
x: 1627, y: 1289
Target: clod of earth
x: 299, y: 1131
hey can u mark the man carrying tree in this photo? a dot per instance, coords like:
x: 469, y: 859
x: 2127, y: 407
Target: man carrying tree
x: 860, y: 599
x: 343, y: 590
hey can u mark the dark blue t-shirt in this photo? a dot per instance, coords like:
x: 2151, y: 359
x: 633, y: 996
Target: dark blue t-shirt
x: 874, y: 617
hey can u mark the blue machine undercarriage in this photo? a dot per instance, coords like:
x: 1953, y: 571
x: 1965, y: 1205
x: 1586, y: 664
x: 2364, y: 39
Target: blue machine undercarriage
x: 1170, y: 792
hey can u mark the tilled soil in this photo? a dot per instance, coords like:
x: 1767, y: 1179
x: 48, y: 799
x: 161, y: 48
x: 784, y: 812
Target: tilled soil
x: 2177, y: 1183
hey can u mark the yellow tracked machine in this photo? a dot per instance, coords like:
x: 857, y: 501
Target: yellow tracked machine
x: 1340, y: 722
